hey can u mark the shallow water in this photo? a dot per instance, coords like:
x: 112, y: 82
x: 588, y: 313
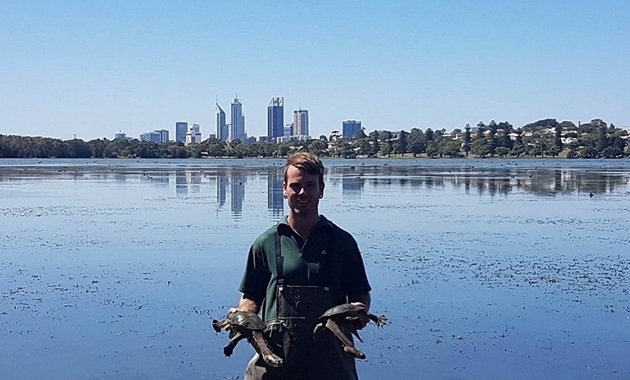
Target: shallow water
x: 493, y: 269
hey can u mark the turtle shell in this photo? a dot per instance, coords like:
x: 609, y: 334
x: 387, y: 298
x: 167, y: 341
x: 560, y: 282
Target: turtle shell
x: 246, y: 320
x: 344, y: 308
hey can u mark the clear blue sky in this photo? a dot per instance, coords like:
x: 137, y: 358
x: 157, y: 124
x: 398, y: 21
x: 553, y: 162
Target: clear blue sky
x: 93, y: 67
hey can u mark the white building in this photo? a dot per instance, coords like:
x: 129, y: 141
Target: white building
x: 193, y: 136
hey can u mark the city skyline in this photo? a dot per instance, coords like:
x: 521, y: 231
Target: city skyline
x: 91, y: 69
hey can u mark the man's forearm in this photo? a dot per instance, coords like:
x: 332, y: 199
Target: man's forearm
x: 249, y: 303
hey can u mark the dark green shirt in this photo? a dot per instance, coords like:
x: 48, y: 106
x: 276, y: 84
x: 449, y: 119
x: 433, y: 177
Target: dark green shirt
x: 304, y: 263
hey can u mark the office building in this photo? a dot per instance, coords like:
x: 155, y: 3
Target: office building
x: 181, y: 128
x: 163, y: 135
x: 300, y: 123
x: 237, y: 129
x: 158, y: 136
x: 288, y: 130
x: 350, y: 128
x: 222, y: 127
x: 193, y: 136
x: 275, y: 118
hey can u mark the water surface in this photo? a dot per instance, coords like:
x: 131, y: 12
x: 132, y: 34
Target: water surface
x: 494, y: 269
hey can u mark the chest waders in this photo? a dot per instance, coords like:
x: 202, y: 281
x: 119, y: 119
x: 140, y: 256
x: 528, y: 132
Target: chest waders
x: 291, y: 333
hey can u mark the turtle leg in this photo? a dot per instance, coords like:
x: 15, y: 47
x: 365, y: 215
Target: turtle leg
x: 229, y: 349
x: 347, y: 343
x: 265, y: 352
x: 380, y: 320
x: 218, y: 325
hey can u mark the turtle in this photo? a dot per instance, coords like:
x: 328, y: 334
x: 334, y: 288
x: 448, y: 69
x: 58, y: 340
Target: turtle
x: 350, y: 317
x: 244, y: 324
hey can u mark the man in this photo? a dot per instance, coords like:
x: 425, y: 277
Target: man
x: 295, y: 271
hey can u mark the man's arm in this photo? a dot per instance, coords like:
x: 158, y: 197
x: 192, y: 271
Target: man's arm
x: 248, y: 303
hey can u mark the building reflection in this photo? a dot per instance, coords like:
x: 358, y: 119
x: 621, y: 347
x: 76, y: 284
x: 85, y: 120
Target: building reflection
x: 222, y: 185
x: 275, y: 200
x: 193, y: 179
x: 351, y: 187
x: 181, y: 187
x: 483, y: 181
x: 237, y: 192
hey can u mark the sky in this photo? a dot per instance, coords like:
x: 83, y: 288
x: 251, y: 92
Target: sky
x: 94, y: 68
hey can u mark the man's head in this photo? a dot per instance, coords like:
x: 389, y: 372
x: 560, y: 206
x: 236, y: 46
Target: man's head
x: 303, y: 183
x: 307, y: 163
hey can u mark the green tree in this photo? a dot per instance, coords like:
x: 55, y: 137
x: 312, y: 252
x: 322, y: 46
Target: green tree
x: 376, y: 146
x: 415, y: 142
x: 481, y: 147
x: 401, y: 146
x: 467, y: 140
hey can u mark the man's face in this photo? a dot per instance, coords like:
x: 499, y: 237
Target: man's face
x: 303, y: 191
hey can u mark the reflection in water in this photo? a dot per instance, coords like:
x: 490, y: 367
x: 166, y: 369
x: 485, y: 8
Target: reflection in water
x: 237, y: 192
x: 542, y: 182
x: 352, y: 183
x: 275, y: 201
x: 351, y: 187
x: 222, y: 183
x: 193, y: 179
x: 181, y: 187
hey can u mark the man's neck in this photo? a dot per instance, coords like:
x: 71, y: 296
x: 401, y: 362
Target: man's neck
x: 303, y: 225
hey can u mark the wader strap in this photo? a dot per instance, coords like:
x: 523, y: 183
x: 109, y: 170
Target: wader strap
x: 326, y: 276
x: 279, y: 260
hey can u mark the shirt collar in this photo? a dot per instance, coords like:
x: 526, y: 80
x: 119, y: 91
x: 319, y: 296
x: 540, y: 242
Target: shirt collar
x: 323, y: 222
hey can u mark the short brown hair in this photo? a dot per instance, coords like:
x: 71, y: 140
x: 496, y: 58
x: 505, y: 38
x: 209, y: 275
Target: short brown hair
x: 306, y: 163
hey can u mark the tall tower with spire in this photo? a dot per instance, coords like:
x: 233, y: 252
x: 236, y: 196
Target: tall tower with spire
x: 222, y: 130
x: 237, y: 129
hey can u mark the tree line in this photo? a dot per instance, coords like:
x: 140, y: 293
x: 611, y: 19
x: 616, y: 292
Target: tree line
x: 588, y: 140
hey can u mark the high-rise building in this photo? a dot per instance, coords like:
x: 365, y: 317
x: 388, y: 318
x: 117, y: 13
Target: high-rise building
x: 163, y: 135
x: 300, y: 122
x: 193, y: 136
x: 288, y: 129
x: 275, y: 118
x: 237, y: 130
x: 350, y: 128
x: 157, y: 136
x: 181, y: 128
x: 222, y: 129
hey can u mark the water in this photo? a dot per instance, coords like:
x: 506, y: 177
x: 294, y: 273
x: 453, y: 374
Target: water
x: 493, y: 269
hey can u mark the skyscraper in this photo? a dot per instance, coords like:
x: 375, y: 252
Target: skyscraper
x: 237, y: 130
x: 350, y: 128
x: 275, y: 118
x: 222, y: 130
x: 181, y: 128
x: 300, y: 122
x: 193, y: 135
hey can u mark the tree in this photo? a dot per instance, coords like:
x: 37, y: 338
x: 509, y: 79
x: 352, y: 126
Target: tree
x: 502, y: 151
x: 467, y: 140
x: 558, y: 137
x: 432, y: 149
x: 376, y: 147
x: 362, y: 146
x: 572, y: 154
x: 415, y: 142
x: 481, y: 147
x: 318, y: 147
x: 428, y: 136
x: 553, y: 151
x: 602, y: 138
x: 401, y: 147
